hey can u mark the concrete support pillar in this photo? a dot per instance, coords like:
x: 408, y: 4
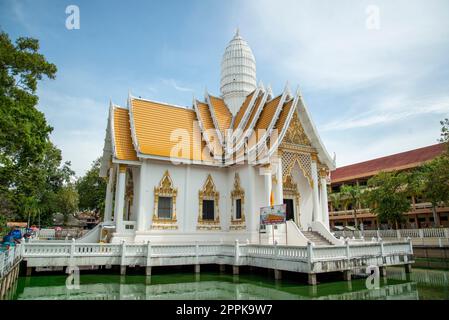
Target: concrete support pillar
x: 347, y: 275
x: 315, y: 198
x: 312, y: 279
x: 383, y: 271
x: 122, y: 270
x: 197, y: 268
x: 120, y: 198
x: 109, y: 196
x: 235, y: 270
x: 408, y: 268
x: 29, y: 271
x: 323, y: 198
x: 277, y: 274
x: 148, y: 271
x: 2, y: 287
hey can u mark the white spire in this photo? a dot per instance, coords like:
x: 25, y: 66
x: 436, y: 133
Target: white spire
x: 238, y: 72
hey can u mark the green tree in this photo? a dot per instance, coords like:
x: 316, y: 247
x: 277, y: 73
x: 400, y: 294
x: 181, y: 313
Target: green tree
x: 67, y: 201
x: 24, y: 133
x: 354, y: 195
x: 335, y: 198
x: 92, y: 189
x: 387, y: 196
x: 432, y: 183
x: 445, y: 133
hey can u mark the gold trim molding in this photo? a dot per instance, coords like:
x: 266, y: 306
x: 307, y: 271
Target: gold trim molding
x: 237, y: 193
x: 165, y: 189
x: 209, y: 192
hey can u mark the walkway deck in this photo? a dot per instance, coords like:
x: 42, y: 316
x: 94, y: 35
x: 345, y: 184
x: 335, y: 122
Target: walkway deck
x: 311, y: 260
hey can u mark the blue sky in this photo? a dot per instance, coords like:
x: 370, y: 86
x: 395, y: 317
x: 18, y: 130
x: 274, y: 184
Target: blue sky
x: 370, y: 92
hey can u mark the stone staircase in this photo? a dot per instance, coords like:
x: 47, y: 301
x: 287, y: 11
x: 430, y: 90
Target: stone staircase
x: 316, y: 238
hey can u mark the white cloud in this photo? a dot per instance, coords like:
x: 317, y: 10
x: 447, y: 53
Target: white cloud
x: 172, y: 82
x: 391, y: 110
x: 327, y: 45
x: 373, y: 85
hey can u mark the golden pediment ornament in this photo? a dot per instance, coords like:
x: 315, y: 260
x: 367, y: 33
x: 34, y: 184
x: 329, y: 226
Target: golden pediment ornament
x: 295, y: 133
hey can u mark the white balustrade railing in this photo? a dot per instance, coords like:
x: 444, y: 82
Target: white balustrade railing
x: 274, y: 252
x: 373, y: 249
x: 8, y: 258
x: 328, y: 252
x: 400, y: 233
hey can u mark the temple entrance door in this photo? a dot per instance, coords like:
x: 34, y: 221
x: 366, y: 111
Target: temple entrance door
x: 290, y: 212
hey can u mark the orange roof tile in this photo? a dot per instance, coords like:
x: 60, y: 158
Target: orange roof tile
x: 157, y: 127
x: 242, y: 110
x: 399, y: 161
x: 208, y: 125
x: 253, y: 111
x: 267, y: 114
x: 124, y: 149
x: 222, y: 113
x: 265, y: 118
x: 283, y: 115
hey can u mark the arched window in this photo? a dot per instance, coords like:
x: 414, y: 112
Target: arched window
x: 164, y: 212
x: 209, y: 215
x: 238, y: 205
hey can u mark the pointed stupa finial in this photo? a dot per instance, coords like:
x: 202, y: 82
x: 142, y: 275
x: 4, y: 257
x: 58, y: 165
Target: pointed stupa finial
x: 237, y: 32
x: 238, y: 73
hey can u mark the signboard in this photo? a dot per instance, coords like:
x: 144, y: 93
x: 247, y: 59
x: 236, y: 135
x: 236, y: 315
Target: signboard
x: 273, y: 214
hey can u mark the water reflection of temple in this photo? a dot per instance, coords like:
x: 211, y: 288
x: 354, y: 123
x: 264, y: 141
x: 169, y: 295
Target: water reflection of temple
x: 206, y: 290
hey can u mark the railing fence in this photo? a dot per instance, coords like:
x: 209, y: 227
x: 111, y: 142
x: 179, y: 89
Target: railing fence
x: 442, y: 233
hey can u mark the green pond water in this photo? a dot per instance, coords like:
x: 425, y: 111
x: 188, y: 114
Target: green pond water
x: 420, y: 284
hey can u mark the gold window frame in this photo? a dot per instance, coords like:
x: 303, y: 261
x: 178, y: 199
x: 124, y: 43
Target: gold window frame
x: 237, y: 193
x: 209, y: 192
x: 165, y: 189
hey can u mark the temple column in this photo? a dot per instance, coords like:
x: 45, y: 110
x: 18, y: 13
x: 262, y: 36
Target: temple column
x: 120, y: 198
x: 316, y: 203
x: 267, y: 203
x: 268, y: 185
x: 141, y: 200
x: 323, y: 198
x: 109, y: 196
x: 279, y: 188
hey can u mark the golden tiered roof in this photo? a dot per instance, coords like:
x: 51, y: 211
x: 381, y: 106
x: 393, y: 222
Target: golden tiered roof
x: 124, y: 149
x: 149, y: 129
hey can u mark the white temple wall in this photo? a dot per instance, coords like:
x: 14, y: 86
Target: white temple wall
x: 189, y: 180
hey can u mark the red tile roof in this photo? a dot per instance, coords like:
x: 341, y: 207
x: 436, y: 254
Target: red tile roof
x: 399, y: 161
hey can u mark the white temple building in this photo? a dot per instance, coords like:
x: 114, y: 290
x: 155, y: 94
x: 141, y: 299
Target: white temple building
x: 203, y: 172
